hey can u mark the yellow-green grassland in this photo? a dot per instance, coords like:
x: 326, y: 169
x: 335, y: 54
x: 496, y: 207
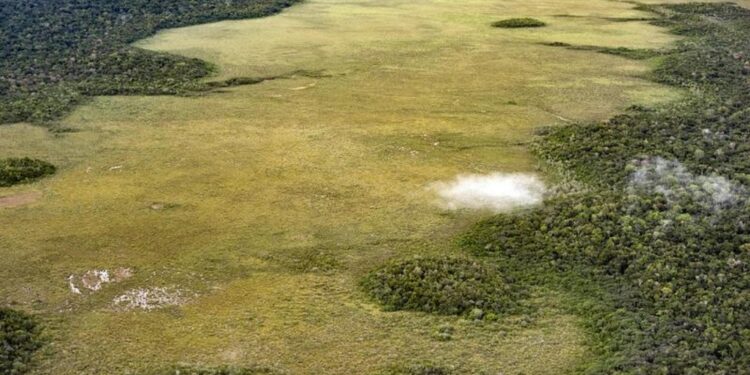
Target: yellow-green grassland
x: 263, y: 205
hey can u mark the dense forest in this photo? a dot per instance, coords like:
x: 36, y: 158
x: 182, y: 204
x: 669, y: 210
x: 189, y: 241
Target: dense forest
x: 660, y: 219
x: 57, y: 52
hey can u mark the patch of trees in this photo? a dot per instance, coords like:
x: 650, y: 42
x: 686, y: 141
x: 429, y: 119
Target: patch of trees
x: 450, y: 286
x: 55, y: 53
x: 663, y: 223
x: 19, y: 170
x: 20, y: 337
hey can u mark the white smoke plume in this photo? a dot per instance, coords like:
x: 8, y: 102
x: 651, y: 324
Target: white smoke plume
x: 496, y: 192
x: 671, y: 179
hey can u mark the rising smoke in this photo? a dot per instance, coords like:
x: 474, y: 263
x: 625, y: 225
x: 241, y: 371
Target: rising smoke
x: 495, y: 192
x: 672, y: 180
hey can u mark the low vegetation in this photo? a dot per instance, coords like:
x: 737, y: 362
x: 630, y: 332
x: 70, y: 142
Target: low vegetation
x: 515, y: 23
x: 19, y: 170
x: 629, y: 53
x: 450, y: 286
x: 55, y: 53
x: 220, y: 370
x: 419, y: 369
x: 20, y: 337
x: 662, y: 223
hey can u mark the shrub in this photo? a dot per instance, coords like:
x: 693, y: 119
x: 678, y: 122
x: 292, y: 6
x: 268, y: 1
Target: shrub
x: 515, y: 23
x: 19, y: 339
x: 450, y: 286
x: 19, y: 170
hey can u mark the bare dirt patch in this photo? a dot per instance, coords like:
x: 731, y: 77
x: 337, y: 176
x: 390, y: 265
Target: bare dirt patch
x: 19, y: 200
x: 150, y: 299
x: 93, y: 280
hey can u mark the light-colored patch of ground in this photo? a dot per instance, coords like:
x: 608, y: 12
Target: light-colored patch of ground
x: 94, y: 280
x: 417, y: 91
x: 150, y: 299
x: 18, y: 200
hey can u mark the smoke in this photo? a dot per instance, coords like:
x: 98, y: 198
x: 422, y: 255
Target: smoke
x: 496, y: 192
x: 672, y: 180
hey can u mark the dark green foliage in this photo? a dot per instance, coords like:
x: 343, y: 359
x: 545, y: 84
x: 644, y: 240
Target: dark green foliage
x: 663, y: 229
x: 19, y: 170
x: 19, y: 339
x: 629, y: 53
x: 628, y: 19
x: 220, y: 370
x: 451, y: 286
x: 239, y: 81
x: 682, y: 271
x: 514, y: 23
x: 56, y: 52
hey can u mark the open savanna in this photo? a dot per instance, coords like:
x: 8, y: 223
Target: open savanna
x: 265, y: 204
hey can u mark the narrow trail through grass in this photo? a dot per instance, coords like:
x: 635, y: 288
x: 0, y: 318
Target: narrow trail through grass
x: 265, y: 204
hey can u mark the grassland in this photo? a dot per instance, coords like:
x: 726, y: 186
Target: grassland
x: 266, y: 204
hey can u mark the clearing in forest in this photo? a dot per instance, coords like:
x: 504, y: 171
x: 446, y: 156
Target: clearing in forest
x: 274, y: 199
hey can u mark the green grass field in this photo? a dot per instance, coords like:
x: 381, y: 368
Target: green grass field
x: 265, y: 204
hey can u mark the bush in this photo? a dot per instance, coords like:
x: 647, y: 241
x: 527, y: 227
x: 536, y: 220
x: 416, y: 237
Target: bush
x: 515, y: 23
x: 19, y: 170
x: 450, y: 286
x: 19, y: 339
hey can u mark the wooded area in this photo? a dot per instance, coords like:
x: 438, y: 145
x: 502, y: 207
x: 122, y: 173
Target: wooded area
x: 57, y: 52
